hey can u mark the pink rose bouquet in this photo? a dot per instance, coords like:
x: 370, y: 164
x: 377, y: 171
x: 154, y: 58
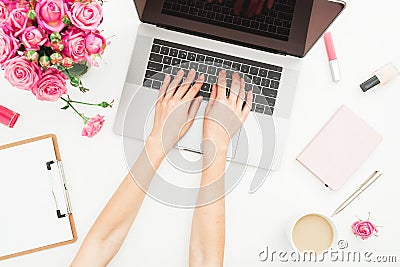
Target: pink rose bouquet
x: 364, y: 229
x: 46, y: 43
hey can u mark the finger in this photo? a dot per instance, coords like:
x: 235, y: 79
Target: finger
x: 195, y: 88
x: 242, y: 94
x: 174, y: 84
x: 221, y: 89
x: 237, y: 8
x: 270, y: 3
x: 194, y: 107
x: 260, y: 6
x: 247, y: 108
x: 251, y: 10
x: 235, y: 87
x: 213, y: 95
x: 186, y: 84
x: 164, y: 86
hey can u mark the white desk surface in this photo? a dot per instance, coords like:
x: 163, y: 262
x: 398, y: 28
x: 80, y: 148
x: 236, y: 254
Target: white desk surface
x: 366, y: 36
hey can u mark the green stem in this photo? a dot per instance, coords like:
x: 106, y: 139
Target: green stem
x: 84, y: 103
x: 85, y: 119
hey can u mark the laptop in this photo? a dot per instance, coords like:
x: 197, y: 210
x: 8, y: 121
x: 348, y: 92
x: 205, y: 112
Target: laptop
x: 264, y: 48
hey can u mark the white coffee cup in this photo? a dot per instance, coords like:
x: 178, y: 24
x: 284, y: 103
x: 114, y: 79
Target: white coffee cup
x: 312, y: 232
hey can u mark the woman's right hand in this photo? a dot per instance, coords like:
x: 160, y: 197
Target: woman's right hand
x: 225, y: 115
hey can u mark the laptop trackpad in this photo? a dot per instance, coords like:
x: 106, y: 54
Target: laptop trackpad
x: 192, y: 139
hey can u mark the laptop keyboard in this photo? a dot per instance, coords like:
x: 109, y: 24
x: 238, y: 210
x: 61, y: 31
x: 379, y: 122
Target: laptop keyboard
x: 168, y: 58
x: 273, y: 23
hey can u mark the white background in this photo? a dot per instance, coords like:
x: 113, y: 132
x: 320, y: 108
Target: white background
x: 366, y: 36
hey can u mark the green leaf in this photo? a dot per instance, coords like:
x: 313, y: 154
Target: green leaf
x: 78, y: 70
x: 66, y: 107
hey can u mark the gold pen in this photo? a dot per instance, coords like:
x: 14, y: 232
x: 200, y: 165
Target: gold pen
x: 371, y: 179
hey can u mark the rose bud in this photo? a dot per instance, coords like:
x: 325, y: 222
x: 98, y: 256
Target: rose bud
x: 32, y: 14
x: 32, y: 56
x: 55, y: 58
x: 66, y: 20
x: 75, y: 81
x: 44, y: 61
x: 57, y: 46
x: 55, y: 37
x: 67, y: 62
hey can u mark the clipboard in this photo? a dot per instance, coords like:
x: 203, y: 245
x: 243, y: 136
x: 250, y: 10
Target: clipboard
x: 35, y: 208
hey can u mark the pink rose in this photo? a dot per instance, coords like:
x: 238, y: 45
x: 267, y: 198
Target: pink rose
x: 17, y: 21
x: 49, y: 14
x: 21, y: 73
x: 74, y: 44
x: 95, y: 43
x: 3, y: 13
x: 8, y: 47
x: 93, y: 126
x: 51, y: 86
x: 33, y: 38
x: 363, y: 229
x: 86, y: 16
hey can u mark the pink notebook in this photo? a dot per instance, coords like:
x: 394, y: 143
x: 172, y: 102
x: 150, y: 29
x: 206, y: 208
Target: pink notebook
x: 340, y: 148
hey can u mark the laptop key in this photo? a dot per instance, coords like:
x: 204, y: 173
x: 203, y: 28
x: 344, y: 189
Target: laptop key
x: 283, y: 31
x: 194, y: 65
x: 265, y: 82
x: 150, y: 73
x: 253, y: 70
x: 212, y: 79
x: 191, y: 57
x: 245, y: 68
x: 156, y: 85
x: 158, y: 76
x: 256, y: 89
x: 200, y: 58
x: 147, y: 83
x: 182, y: 54
x: 164, y: 50
x: 173, y: 52
x: 174, y: 71
x: 211, y: 70
x: 268, y: 110
x: 167, y: 60
x: 154, y: 66
x: 206, y: 87
x: 155, y: 57
x: 155, y: 48
x: 259, y: 108
x: 257, y: 80
x: 202, y: 68
x: 274, y: 84
x: 176, y: 61
x: 269, y: 92
x: 274, y: 75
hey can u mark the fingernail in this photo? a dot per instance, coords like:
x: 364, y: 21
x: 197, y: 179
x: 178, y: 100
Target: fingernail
x: 201, y: 77
x: 192, y: 71
x: 181, y: 72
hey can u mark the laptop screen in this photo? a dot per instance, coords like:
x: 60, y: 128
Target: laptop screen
x: 280, y: 26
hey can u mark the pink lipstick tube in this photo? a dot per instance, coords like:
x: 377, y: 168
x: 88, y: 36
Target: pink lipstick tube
x: 333, y: 62
x: 8, y: 117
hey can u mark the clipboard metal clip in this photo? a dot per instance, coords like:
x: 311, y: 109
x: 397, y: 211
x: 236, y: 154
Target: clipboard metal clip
x: 61, y: 175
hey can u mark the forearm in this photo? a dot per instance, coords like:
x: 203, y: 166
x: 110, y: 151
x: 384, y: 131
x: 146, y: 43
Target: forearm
x: 111, y: 227
x: 208, y: 227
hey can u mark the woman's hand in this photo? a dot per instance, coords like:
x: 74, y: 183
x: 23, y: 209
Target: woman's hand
x: 176, y: 108
x: 225, y: 115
